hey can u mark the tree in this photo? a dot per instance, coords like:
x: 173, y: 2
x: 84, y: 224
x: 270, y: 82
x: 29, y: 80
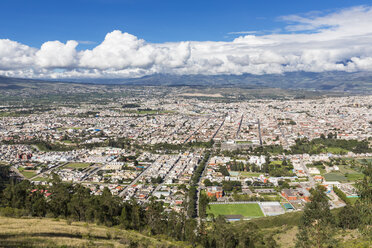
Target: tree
x: 190, y: 227
x: 364, y: 204
x: 154, y: 218
x: 60, y: 196
x: 203, y: 205
x: 191, y: 208
x: 224, y: 171
x: 317, y: 222
x: 125, y: 217
x: 136, y: 214
x: 15, y: 195
x: 223, y: 235
x: 207, y: 182
x: 348, y: 217
x: 79, y: 202
x: 109, y: 208
x: 4, y: 177
x: 36, y: 203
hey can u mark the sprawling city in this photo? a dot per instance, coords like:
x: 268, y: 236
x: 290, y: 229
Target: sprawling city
x: 272, y: 151
x: 196, y: 153
x: 252, y: 139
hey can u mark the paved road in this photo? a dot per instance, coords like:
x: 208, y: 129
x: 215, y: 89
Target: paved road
x: 93, y: 171
x: 311, y: 179
x: 15, y: 170
x: 167, y: 176
x: 193, y: 133
x: 240, y: 126
x: 284, y: 138
x: 214, y: 135
x: 42, y: 173
x: 134, y: 181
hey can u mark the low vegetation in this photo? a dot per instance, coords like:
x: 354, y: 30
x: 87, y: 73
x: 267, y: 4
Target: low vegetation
x: 48, y: 232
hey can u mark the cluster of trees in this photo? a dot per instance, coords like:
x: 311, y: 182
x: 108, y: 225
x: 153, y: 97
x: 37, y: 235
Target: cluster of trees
x: 123, y: 143
x: 131, y: 105
x: 199, y: 170
x: 275, y: 170
x: 278, y: 170
x: 273, y: 149
x: 318, y: 145
x: 75, y: 202
x: 223, y: 170
x: 191, y: 202
x: 319, y: 226
x: 203, y: 205
x: 180, y: 147
x: 45, y: 145
x: 231, y: 185
x: 341, y: 194
x: 314, y: 146
x: 88, y: 114
x: 157, y: 180
x: 4, y: 176
x: 281, y: 121
x: 192, y: 194
x: 240, y: 166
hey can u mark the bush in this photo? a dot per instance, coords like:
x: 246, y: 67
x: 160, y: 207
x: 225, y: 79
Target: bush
x: 12, y: 212
x: 341, y: 194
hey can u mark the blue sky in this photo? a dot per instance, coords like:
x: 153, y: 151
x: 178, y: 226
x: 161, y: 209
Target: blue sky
x: 133, y: 38
x: 33, y: 22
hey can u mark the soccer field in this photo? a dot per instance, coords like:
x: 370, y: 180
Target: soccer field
x: 246, y: 210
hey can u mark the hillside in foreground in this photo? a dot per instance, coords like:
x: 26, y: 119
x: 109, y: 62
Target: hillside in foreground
x: 45, y: 232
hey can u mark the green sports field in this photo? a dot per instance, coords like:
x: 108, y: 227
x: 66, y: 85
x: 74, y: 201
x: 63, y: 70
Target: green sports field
x: 246, y: 210
x: 77, y: 165
x: 249, y: 174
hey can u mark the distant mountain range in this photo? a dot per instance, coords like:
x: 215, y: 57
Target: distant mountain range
x: 357, y: 82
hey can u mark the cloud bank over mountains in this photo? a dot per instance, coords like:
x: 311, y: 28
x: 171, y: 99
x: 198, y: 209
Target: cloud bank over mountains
x: 338, y: 41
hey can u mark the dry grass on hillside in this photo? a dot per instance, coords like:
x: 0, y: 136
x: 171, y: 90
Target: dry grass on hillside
x: 60, y: 233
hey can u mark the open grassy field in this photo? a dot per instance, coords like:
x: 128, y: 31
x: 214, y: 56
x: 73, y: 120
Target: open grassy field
x: 353, y: 200
x: 77, y: 165
x: 40, y: 179
x: 335, y: 176
x: 276, y: 162
x: 345, y: 174
x: 247, y: 210
x: 336, y: 150
x: 244, y: 142
x: 28, y: 173
x: 347, y: 169
x: 364, y: 160
x: 53, y: 233
x: 354, y: 176
x: 249, y: 174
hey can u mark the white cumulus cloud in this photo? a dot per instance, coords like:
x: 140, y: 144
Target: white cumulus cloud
x: 313, y: 42
x: 56, y: 54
